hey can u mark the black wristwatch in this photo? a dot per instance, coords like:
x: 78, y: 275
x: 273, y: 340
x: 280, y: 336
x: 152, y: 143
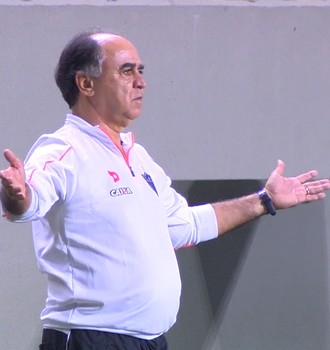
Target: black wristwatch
x: 266, y: 201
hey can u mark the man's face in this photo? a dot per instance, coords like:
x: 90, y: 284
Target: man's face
x: 119, y: 91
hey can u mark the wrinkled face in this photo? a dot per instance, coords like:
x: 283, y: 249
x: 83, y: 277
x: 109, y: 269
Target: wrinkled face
x: 119, y: 91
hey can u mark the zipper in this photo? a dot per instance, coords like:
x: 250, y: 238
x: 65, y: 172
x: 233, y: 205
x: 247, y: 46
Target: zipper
x: 120, y: 149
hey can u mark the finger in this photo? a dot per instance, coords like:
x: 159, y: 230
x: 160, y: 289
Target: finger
x: 315, y: 197
x: 6, y: 181
x: 6, y: 177
x: 325, y: 183
x: 317, y: 186
x: 306, y: 176
x: 12, y: 188
x: 15, y: 193
x: 12, y: 159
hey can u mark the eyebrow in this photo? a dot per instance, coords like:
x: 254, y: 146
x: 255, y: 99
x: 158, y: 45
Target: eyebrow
x: 131, y: 65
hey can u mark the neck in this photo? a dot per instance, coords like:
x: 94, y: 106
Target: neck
x: 93, y: 118
x: 114, y: 135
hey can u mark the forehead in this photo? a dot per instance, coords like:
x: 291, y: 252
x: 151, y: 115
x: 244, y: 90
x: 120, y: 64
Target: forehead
x: 117, y: 50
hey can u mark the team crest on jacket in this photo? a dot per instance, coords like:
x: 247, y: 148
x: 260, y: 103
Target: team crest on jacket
x: 120, y: 191
x: 148, y: 178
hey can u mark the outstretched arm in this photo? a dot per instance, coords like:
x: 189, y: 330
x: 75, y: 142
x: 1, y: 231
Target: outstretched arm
x: 284, y: 192
x: 15, y: 194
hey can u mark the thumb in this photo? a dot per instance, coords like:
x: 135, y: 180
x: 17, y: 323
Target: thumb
x: 280, y: 167
x: 12, y: 159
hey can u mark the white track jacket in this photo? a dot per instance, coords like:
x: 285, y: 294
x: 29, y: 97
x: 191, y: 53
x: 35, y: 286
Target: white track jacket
x: 106, y: 225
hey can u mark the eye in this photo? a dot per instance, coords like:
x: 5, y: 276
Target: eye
x: 127, y: 71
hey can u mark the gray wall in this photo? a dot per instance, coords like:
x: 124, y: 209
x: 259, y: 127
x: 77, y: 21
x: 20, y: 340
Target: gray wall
x: 231, y: 88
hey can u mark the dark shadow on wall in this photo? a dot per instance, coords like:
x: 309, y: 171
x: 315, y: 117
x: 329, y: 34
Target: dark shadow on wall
x: 218, y: 264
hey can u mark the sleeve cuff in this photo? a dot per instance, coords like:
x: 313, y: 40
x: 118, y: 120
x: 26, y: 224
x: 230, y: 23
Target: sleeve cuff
x: 206, y: 221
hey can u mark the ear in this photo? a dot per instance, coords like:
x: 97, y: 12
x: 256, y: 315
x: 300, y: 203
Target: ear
x: 85, y: 84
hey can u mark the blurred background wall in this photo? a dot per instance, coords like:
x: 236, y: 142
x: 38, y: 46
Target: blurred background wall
x: 232, y: 87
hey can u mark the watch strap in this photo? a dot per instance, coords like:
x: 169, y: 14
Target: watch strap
x: 266, y: 201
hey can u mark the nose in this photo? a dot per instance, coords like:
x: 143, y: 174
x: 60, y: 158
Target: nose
x: 139, y: 81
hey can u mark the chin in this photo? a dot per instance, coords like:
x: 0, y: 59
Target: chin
x: 136, y: 115
x: 129, y: 120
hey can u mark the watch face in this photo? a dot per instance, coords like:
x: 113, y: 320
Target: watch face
x: 263, y: 194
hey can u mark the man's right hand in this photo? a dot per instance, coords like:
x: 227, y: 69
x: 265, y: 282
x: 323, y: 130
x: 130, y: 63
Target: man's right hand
x: 15, y: 195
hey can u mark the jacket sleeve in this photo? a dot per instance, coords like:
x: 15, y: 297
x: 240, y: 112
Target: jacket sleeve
x: 188, y: 225
x: 48, y: 170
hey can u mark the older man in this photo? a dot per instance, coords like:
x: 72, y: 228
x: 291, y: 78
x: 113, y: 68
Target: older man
x: 106, y: 221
